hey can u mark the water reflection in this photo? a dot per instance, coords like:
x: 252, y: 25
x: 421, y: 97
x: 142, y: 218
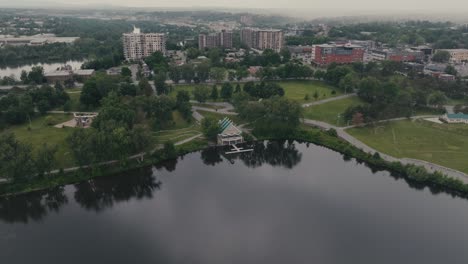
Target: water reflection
x: 33, y: 206
x: 274, y: 153
x: 101, y: 193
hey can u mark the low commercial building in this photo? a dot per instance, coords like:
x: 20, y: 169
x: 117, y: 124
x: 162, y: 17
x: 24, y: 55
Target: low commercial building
x: 62, y: 76
x: 455, y: 118
x: 397, y: 55
x: 230, y: 134
x: 457, y: 55
x: 36, y: 40
x: 325, y: 54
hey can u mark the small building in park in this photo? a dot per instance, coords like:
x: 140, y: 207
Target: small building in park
x: 230, y: 134
x: 455, y: 118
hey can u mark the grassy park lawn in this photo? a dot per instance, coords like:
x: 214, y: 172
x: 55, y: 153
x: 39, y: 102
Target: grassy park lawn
x: 41, y: 133
x: 444, y: 144
x: 331, y: 112
x: 297, y: 90
x: 179, y: 130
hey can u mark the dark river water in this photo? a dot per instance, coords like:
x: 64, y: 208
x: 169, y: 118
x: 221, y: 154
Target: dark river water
x: 283, y: 203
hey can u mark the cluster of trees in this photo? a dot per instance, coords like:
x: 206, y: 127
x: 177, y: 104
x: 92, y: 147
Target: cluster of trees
x: 387, y: 94
x: 276, y: 116
x: 441, y: 34
x: 18, y: 108
x: 19, y: 162
x: 263, y: 90
x: 114, y: 135
x: 290, y: 70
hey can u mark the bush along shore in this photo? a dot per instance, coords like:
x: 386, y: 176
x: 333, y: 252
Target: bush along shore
x: 416, y: 176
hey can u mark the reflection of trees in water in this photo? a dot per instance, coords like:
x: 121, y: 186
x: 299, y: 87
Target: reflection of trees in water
x: 101, y: 193
x: 169, y: 165
x: 33, y: 206
x: 274, y: 153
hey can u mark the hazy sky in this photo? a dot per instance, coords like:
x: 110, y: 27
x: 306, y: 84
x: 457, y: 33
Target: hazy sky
x: 414, y: 5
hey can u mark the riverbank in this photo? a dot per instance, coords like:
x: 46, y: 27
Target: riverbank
x: 415, y: 175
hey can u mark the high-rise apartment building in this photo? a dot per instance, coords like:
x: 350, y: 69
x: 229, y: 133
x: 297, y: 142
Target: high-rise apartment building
x: 139, y: 45
x: 215, y: 40
x: 263, y: 38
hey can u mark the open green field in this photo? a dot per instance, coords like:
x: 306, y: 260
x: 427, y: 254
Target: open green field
x: 332, y: 112
x: 179, y: 130
x: 41, y: 133
x: 295, y: 90
x: 444, y: 144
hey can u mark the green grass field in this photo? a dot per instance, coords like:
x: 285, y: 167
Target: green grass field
x: 444, y: 144
x: 295, y: 90
x: 332, y: 112
x: 41, y: 133
x: 179, y: 130
x: 220, y: 116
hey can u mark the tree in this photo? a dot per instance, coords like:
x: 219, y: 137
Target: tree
x: 15, y: 157
x: 358, y: 119
x: 187, y: 73
x: 146, y: 87
x: 182, y: 97
x: 451, y: 70
x: 238, y: 88
x: 203, y: 71
x: 241, y: 73
x: 441, y: 56
x: 214, y: 93
x: 126, y: 72
x: 175, y: 73
x: 45, y: 159
x: 226, y: 91
x: 201, y: 93
x: 437, y: 98
x: 285, y: 54
x: 36, y: 75
x: 210, y: 127
x: 43, y: 106
x: 160, y: 83
x: 24, y: 77
x: 349, y: 82
x: 183, y: 104
x: 217, y: 74
x: 316, y: 95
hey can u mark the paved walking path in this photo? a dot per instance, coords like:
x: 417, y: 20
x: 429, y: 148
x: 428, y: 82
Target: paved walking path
x: 324, y: 101
x: 431, y: 167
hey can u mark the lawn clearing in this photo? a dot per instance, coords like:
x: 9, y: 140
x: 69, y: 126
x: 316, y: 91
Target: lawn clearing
x: 220, y: 116
x: 297, y: 90
x: 444, y: 144
x: 332, y: 112
x: 41, y: 133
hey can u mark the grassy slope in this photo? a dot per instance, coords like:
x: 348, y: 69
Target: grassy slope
x: 329, y: 112
x: 40, y: 133
x: 179, y: 130
x: 442, y: 144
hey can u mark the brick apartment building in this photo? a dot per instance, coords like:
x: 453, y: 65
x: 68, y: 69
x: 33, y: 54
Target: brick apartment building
x: 325, y: 54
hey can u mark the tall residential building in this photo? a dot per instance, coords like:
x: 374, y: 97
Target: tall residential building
x: 139, y: 45
x: 263, y: 38
x: 326, y: 54
x: 215, y: 40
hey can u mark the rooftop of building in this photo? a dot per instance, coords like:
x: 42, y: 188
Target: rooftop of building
x: 457, y: 116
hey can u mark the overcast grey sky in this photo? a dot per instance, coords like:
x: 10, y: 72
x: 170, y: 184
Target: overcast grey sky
x: 413, y: 5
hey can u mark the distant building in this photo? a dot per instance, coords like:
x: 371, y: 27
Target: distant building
x: 457, y: 55
x: 139, y: 45
x: 36, y: 40
x: 222, y: 39
x: 326, y: 54
x: 230, y: 134
x: 396, y: 55
x: 246, y: 20
x: 263, y: 39
x: 62, y: 76
x: 455, y: 118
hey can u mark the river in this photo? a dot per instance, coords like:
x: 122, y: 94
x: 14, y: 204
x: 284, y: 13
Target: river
x: 286, y: 202
x: 48, y: 67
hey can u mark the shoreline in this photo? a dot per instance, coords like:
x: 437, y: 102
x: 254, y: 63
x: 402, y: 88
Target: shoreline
x: 412, y: 173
